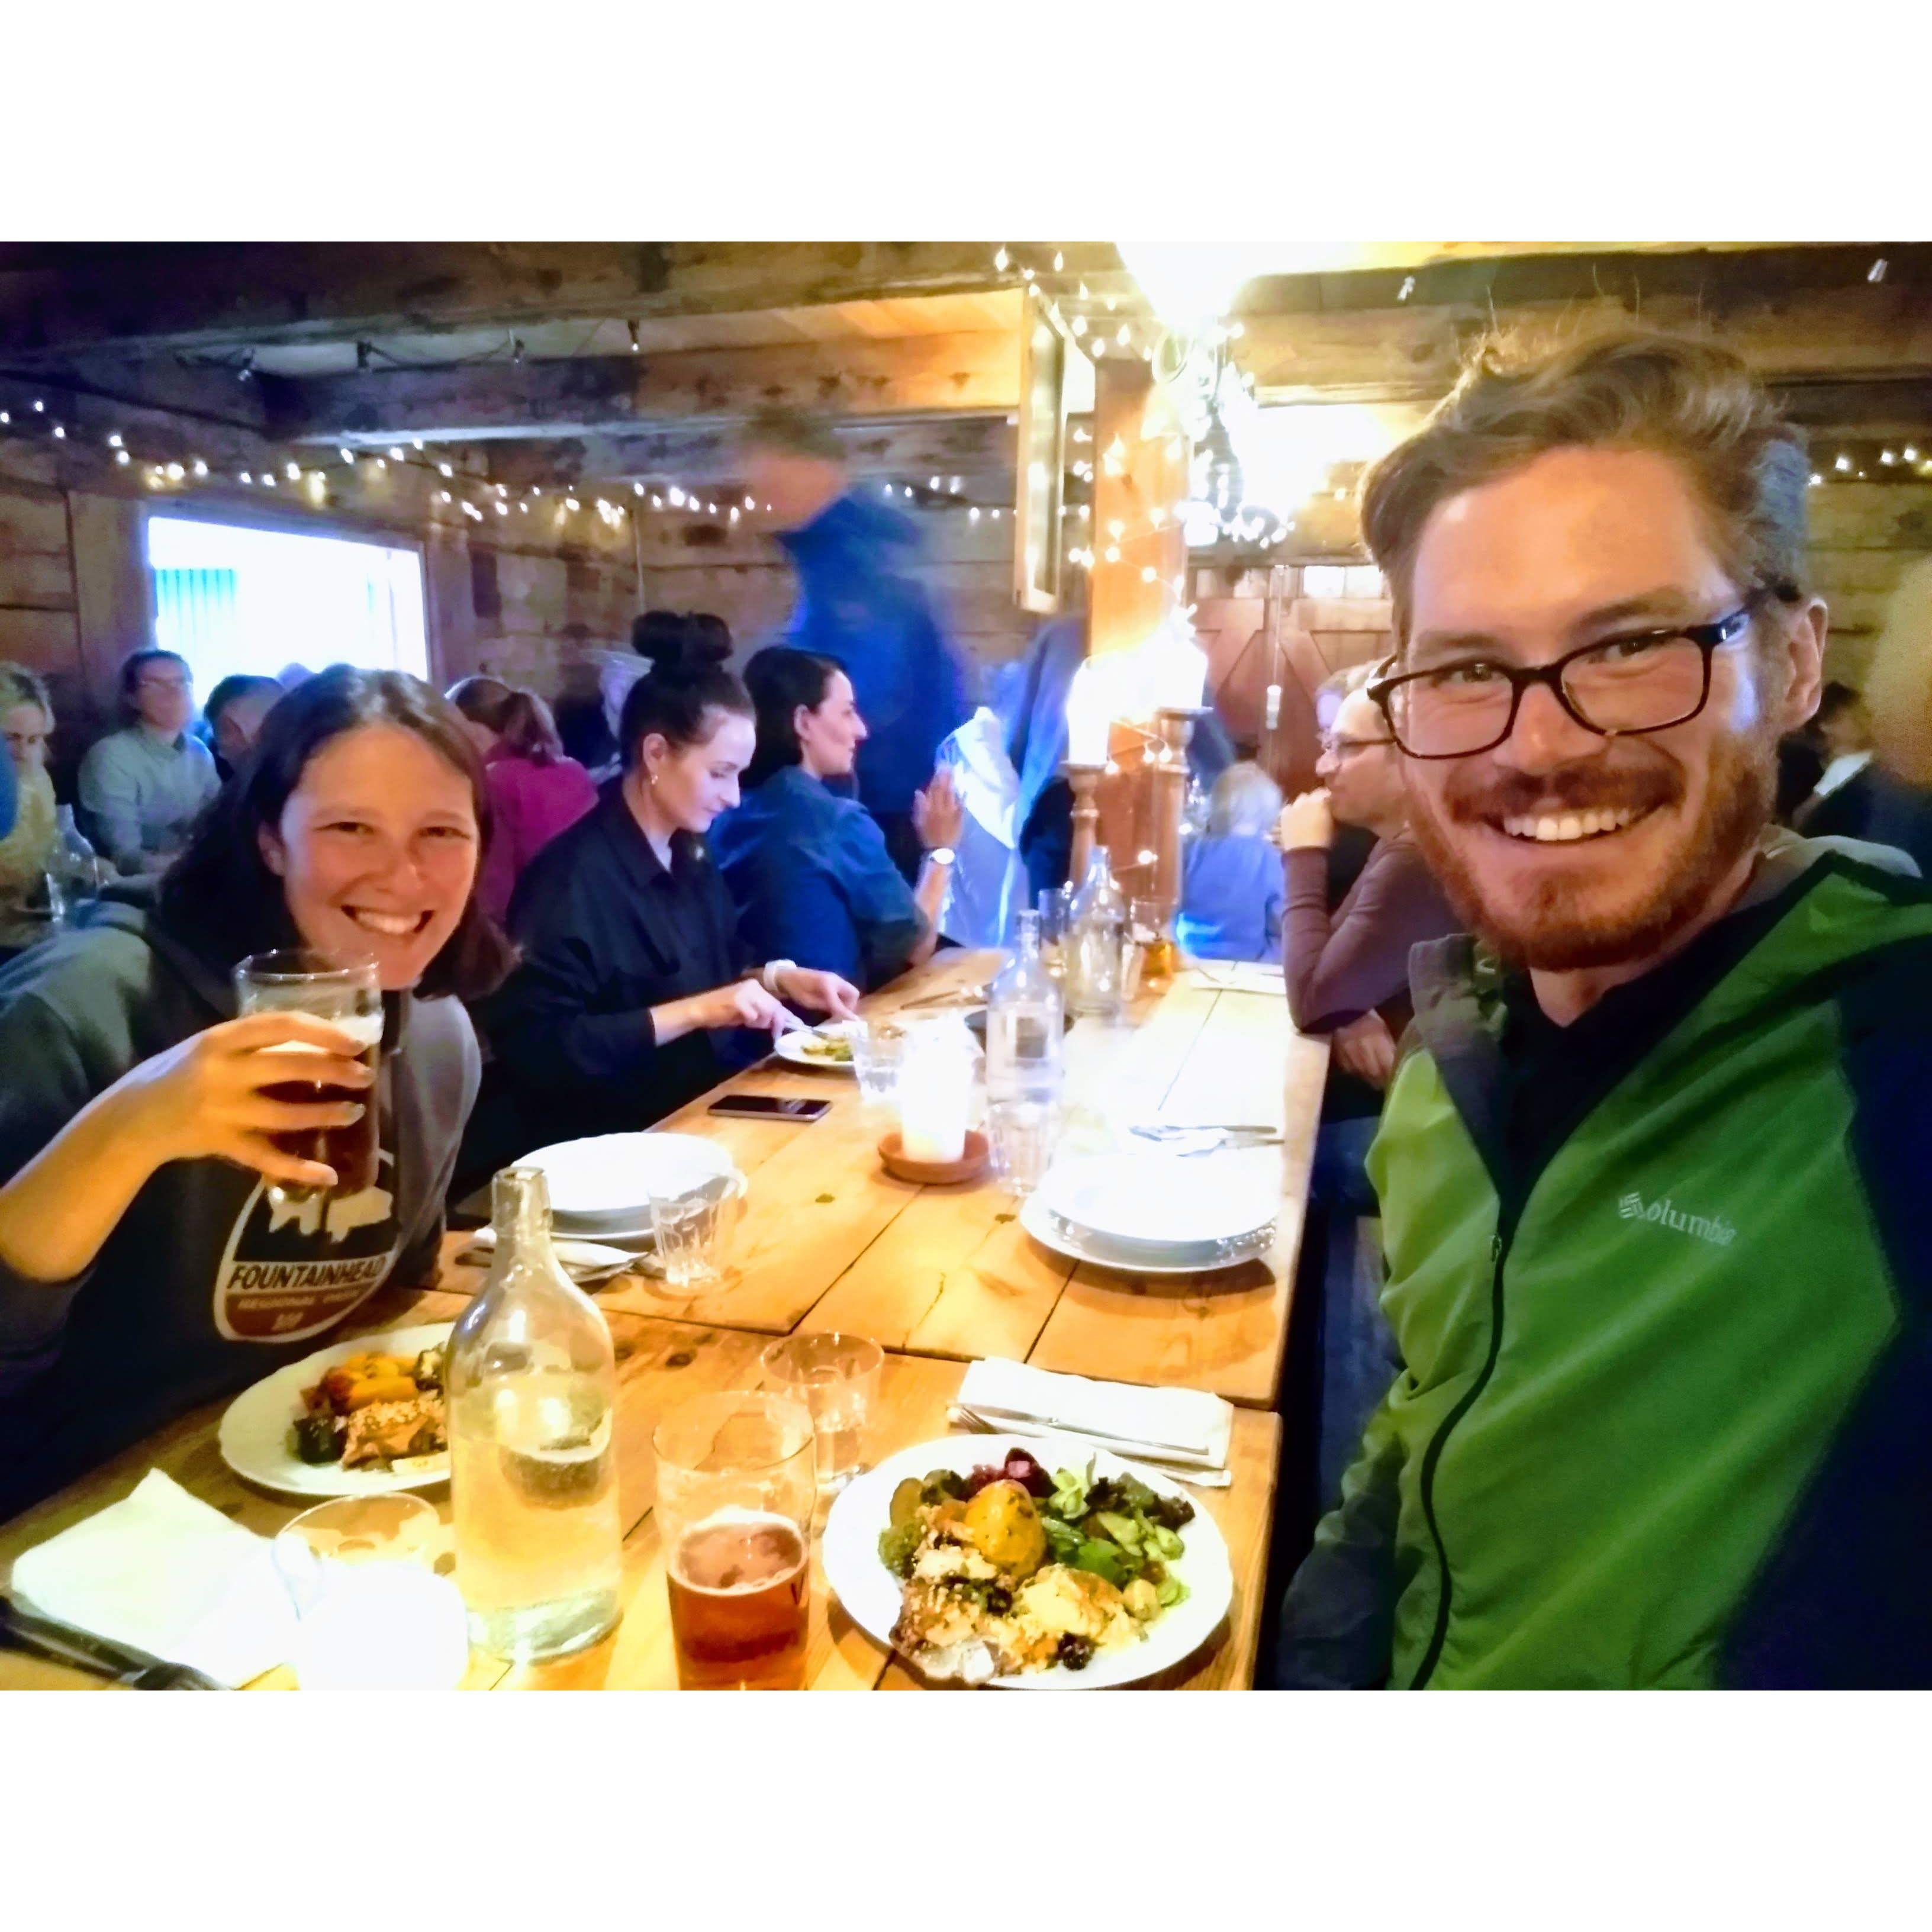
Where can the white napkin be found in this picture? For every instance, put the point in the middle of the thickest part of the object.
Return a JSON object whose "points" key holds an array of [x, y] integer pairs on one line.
{"points": [[1188, 1428], [1238, 975], [168, 1574]]}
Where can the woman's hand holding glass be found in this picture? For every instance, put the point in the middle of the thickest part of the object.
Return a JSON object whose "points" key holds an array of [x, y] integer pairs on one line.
{"points": [[937, 815], [207, 1096]]}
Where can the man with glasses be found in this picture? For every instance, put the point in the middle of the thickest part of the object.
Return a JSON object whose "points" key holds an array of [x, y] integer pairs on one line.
{"points": [[1650, 1168], [142, 788]]}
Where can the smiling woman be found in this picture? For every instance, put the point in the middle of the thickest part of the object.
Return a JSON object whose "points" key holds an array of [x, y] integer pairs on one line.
{"points": [[139, 1118]]}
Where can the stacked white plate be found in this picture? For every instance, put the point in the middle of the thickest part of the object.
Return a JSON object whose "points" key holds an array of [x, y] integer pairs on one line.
{"points": [[1155, 1214], [602, 1189]]}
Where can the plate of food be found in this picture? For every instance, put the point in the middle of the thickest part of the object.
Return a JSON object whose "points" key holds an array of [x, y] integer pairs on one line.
{"points": [[1027, 1564], [828, 1047], [361, 1418]]}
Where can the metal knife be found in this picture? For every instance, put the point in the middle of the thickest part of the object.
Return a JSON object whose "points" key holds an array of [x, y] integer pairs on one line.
{"points": [[99, 1656]]}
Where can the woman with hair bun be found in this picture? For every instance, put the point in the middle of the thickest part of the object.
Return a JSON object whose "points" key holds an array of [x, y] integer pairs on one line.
{"points": [[635, 995], [535, 791]]}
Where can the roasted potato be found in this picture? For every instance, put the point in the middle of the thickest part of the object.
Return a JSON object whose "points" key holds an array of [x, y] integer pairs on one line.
{"points": [[367, 1389], [1005, 1529]]}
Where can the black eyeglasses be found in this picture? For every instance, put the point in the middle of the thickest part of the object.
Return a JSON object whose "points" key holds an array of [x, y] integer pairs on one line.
{"points": [[1622, 687]]}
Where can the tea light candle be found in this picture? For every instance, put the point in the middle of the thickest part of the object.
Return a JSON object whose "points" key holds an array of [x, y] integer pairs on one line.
{"points": [[935, 1091]]}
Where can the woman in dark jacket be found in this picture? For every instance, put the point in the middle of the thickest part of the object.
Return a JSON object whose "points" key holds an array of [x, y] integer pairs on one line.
{"points": [[631, 997], [810, 870], [144, 1265]]}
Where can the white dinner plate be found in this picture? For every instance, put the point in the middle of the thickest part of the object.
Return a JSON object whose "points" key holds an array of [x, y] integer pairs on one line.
{"points": [[605, 1185], [1167, 1201], [1127, 1257], [254, 1433], [871, 1594], [794, 1047]]}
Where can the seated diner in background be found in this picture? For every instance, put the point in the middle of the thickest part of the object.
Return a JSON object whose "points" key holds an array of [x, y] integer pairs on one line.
{"points": [[1650, 1167], [535, 790], [631, 997], [1856, 797], [809, 870], [142, 788], [1347, 972], [145, 1266], [1231, 898], [232, 718], [28, 849]]}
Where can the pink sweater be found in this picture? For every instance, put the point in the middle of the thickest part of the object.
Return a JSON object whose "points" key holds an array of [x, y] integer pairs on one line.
{"points": [[530, 805]]}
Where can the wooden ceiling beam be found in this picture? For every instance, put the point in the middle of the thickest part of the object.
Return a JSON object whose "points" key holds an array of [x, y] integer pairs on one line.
{"points": [[1879, 330], [209, 297], [979, 449], [893, 376]]}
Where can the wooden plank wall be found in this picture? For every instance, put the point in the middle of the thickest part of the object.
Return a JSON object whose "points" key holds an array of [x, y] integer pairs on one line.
{"points": [[744, 576], [517, 598]]}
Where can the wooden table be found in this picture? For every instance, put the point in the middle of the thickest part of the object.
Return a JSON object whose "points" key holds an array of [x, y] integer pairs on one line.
{"points": [[830, 1240], [660, 1362], [939, 1276]]}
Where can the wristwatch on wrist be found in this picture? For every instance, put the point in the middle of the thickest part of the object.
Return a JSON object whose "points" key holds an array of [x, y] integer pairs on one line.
{"points": [[768, 977], [942, 855]]}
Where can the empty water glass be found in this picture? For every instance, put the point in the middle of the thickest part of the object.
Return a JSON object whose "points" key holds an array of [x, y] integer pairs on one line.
{"points": [[837, 1378], [692, 1233], [1023, 1135], [877, 1052]]}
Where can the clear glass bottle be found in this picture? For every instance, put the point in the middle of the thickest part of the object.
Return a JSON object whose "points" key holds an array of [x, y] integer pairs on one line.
{"points": [[1024, 1026], [532, 1381], [76, 867], [1097, 941]]}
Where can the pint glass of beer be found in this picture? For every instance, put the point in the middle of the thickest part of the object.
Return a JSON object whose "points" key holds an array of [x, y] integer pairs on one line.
{"points": [[347, 995], [737, 1481]]}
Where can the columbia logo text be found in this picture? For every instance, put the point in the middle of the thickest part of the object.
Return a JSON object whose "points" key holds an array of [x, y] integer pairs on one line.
{"points": [[1666, 1213]]}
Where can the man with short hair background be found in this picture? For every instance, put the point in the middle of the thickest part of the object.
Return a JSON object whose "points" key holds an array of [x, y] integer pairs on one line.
{"points": [[142, 788], [1651, 1169]]}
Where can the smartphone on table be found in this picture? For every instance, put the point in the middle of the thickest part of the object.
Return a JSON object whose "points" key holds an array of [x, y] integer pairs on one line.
{"points": [[771, 1107]]}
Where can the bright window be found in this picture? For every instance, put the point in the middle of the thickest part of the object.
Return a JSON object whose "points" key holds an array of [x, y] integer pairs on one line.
{"points": [[229, 597]]}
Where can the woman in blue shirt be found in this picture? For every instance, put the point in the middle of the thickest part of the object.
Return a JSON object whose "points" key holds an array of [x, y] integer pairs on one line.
{"points": [[809, 870]]}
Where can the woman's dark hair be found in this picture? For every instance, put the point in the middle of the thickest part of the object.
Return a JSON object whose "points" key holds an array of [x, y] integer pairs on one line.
{"points": [[520, 719], [687, 682], [711, 629], [780, 679], [653, 632], [220, 894], [236, 684]]}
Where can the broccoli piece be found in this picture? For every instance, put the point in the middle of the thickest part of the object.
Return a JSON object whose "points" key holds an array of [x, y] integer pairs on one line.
{"points": [[897, 1546]]}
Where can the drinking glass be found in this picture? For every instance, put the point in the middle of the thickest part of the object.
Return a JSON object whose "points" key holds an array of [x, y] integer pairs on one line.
{"points": [[877, 1052], [692, 1232], [347, 995], [837, 1378], [1147, 930], [1024, 1134], [737, 1485], [372, 1612]]}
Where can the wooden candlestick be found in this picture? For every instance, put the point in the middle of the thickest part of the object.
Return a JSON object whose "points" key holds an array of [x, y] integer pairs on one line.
{"points": [[1168, 772]]}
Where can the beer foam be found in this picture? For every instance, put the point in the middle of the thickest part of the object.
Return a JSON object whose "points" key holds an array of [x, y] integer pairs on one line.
{"points": [[364, 1029], [770, 1557]]}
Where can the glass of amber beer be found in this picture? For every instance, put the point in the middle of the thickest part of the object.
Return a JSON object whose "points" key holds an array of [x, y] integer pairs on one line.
{"points": [[347, 995], [737, 1482]]}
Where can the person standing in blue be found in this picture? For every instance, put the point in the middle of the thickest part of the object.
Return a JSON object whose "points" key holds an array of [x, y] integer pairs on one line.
{"points": [[809, 871], [861, 604]]}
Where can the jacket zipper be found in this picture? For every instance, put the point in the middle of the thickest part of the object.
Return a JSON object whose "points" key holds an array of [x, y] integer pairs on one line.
{"points": [[1499, 1246]]}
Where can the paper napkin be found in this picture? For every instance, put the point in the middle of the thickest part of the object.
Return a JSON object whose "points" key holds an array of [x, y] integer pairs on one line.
{"points": [[1188, 1428], [168, 1574]]}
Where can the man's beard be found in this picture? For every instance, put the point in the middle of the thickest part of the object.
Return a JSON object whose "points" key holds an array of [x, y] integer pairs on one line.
{"points": [[1551, 933]]}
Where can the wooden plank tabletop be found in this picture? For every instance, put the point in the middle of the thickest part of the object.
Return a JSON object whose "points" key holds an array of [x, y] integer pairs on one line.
{"points": [[829, 1241], [659, 1363]]}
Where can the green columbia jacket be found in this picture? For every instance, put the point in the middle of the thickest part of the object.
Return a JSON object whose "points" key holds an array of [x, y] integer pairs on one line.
{"points": [[1662, 1286]]}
